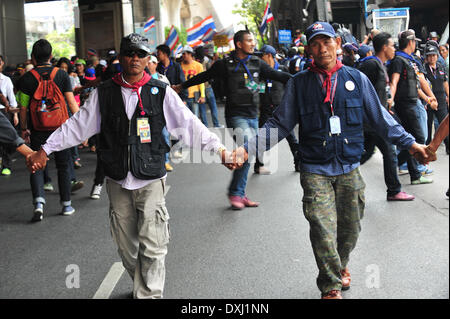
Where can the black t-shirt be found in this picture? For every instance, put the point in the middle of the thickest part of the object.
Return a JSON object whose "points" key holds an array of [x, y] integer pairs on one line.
{"points": [[437, 77], [377, 74], [28, 83]]}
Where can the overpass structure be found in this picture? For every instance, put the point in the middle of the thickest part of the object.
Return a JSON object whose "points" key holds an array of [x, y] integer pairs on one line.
{"points": [[100, 24]]}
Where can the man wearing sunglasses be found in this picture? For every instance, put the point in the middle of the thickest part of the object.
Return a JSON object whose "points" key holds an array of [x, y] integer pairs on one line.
{"points": [[129, 113]]}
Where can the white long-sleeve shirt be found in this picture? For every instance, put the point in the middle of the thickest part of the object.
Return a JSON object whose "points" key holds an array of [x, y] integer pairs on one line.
{"points": [[7, 89], [87, 122]]}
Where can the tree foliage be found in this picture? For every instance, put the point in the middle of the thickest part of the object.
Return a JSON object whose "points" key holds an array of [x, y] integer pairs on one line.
{"points": [[63, 44], [252, 11]]}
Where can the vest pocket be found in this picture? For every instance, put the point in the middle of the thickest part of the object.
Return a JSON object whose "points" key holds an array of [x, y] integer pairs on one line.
{"points": [[353, 147], [353, 111], [150, 164], [311, 122]]}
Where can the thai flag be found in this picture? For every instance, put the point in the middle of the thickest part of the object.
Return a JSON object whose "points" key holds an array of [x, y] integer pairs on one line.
{"points": [[297, 42], [209, 35], [177, 50], [268, 17], [195, 33], [172, 38], [149, 24]]}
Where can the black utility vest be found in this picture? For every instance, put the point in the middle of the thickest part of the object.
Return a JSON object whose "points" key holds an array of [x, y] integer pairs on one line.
{"points": [[119, 147], [240, 100], [408, 84]]}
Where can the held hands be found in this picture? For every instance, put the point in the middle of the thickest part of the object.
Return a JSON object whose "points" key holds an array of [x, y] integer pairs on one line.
{"points": [[234, 160], [422, 153], [37, 161]]}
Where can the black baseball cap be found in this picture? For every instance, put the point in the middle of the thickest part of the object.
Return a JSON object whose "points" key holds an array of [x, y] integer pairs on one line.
{"points": [[431, 49], [134, 42]]}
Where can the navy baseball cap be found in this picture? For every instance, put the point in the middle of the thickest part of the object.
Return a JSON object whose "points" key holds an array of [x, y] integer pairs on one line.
{"points": [[268, 49], [363, 50], [318, 28]]}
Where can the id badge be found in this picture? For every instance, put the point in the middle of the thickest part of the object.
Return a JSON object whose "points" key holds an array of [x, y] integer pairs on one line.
{"points": [[144, 134], [141, 121], [335, 125], [262, 88]]}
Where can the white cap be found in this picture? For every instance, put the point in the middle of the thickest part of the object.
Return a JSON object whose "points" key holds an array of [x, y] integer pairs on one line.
{"points": [[103, 62], [153, 59], [187, 48]]}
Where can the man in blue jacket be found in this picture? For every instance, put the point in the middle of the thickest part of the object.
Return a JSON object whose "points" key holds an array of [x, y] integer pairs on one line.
{"points": [[331, 102]]}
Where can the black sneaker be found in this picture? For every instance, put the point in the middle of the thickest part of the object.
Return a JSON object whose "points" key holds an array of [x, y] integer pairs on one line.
{"points": [[76, 185]]}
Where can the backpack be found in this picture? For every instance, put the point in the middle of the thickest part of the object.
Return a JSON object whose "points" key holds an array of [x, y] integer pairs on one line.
{"points": [[48, 108]]}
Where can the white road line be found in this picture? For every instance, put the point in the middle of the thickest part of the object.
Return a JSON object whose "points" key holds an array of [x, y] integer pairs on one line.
{"points": [[109, 283]]}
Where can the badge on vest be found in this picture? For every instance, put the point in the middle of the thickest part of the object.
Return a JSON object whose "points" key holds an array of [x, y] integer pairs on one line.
{"points": [[335, 125], [350, 86], [143, 130], [155, 90]]}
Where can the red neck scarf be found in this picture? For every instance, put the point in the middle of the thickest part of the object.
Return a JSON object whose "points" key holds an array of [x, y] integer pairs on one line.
{"points": [[327, 83], [118, 79]]}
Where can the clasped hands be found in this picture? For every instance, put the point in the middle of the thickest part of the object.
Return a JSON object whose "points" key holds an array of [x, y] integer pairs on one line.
{"points": [[36, 161], [234, 160], [422, 153]]}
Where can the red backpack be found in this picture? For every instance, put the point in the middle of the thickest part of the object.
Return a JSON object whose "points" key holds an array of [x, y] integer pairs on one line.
{"points": [[47, 108]]}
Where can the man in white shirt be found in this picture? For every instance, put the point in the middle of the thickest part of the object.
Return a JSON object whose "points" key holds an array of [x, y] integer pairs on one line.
{"points": [[129, 113]]}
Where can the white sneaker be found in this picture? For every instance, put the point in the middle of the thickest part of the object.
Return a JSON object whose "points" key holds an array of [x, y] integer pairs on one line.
{"points": [[177, 154], [96, 191]]}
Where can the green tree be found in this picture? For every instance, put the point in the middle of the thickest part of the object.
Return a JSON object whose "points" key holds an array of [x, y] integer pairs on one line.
{"points": [[252, 11], [63, 44]]}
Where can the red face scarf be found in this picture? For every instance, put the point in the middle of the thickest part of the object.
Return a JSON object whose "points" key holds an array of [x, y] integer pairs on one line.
{"points": [[327, 83], [135, 86]]}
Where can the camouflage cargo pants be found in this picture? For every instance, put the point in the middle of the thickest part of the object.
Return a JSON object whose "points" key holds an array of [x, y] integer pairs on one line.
{"points": [[333, 207]]}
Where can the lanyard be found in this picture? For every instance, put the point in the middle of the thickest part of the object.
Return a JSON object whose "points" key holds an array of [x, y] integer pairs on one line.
{"points": [[277, 65], [333, 91], [166, 69], [243, 63], [433, 72]]}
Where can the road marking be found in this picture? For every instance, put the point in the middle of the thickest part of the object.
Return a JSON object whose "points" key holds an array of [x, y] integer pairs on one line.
{"points": [[109, 283]]}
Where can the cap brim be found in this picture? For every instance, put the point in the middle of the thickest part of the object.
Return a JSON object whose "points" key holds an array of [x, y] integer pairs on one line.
{"points": [[134, 46], [328, 34], [89, 78]]}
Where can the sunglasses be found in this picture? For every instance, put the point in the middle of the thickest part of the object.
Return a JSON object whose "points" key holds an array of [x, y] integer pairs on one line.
{"points": [[140, 54]]}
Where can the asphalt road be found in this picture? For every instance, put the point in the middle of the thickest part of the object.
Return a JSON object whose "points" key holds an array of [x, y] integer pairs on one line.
{"points": [[264, 252]]}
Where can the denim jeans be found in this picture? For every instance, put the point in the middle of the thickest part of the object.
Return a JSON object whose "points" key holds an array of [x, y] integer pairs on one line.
{"points": [[166, 136], [62, 160], [211, 100], [249, 127], [423, 119], [192, 105]]}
